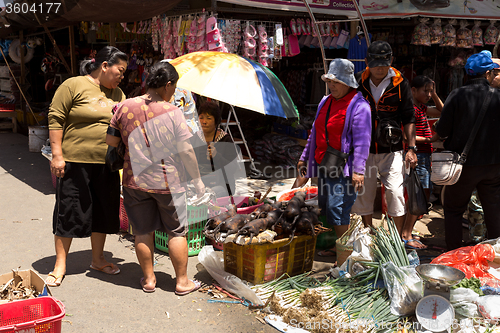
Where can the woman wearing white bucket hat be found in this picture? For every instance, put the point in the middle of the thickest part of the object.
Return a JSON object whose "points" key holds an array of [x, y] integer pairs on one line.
{"points": [[342, 128]]}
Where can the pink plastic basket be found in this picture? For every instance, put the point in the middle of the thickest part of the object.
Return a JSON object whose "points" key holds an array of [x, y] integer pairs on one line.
{"points": [[123, 216], [238, 200], [41, 314]]}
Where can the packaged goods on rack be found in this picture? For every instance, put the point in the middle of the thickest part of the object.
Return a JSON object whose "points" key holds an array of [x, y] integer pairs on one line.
{"points": [[464, 36], [450, 35], [436, 32], [477, 34], [421, 33], [491, 34]]}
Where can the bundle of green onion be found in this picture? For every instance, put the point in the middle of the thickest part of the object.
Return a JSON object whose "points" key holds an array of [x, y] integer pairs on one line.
{"points": [[355, 223], [345, 300]]}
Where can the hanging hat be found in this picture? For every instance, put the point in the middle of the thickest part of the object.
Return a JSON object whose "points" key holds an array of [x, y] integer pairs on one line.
{"points": [[341, 70]]}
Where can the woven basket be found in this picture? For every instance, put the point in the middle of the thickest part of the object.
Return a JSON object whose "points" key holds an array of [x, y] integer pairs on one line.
{"points": [[343, 252]]}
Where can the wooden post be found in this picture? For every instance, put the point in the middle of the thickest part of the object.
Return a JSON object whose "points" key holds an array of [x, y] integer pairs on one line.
{"points": [[354, 28], [72, 49], [112, 34], [22, 80]]}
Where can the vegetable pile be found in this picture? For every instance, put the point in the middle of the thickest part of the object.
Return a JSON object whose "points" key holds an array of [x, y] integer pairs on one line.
{"points": [[286, 219], [472, 283], [348, 304]]}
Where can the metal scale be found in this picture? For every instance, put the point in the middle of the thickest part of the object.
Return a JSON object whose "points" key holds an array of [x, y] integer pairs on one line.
{"points": [[434, 311]]}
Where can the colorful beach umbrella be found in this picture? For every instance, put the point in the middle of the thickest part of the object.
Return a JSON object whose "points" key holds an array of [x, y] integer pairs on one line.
{"points": [[235, 80]]}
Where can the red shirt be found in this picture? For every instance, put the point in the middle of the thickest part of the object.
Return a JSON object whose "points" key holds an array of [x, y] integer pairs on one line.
{"points": [[335, 124], [422, 129]]}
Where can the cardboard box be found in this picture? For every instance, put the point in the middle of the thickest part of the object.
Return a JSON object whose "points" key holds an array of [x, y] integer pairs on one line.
{"points": [[28, 277]]}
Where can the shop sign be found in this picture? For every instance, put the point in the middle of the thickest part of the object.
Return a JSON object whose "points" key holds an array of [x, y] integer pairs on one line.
{"points": [[331, 7], [487, 9], [466, 9]]}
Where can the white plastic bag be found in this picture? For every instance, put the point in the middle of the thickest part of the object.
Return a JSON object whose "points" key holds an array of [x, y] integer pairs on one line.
{"points": [[47, 150], [214, 263], [404, 287], [466, 310], [463, 301], [463, 295], [489, 307]]}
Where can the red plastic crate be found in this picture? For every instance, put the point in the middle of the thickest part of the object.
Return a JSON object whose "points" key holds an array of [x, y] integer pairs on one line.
{"points": [[41, 315], [7, 107]]}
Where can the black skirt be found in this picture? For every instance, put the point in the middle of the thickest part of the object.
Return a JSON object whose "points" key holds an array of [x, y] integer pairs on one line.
{"points": [[87, 201]]}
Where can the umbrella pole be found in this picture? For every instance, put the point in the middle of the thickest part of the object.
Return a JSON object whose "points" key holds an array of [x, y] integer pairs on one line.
{"points": [[237, 122]]}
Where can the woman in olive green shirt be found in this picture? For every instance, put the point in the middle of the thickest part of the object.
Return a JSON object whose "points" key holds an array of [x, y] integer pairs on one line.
{"points": [[88, 193]]}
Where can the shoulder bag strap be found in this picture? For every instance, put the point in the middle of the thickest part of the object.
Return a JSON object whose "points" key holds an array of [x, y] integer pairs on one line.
{"points": [[326, 121], [475, 129]]}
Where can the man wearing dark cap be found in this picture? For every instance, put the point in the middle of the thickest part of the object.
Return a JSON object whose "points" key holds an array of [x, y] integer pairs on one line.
{"points": [[482, 166], [389, 95]]}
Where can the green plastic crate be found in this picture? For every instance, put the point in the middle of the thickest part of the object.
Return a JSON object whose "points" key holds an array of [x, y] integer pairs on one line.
{"points": [[197, 218], [326, 240]]}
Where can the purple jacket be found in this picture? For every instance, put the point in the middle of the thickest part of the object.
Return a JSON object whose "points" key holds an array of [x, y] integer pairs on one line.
{"points": [[357, 134]]}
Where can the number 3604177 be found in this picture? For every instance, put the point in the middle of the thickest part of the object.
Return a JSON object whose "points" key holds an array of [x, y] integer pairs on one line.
{"points": [[38, 8]]}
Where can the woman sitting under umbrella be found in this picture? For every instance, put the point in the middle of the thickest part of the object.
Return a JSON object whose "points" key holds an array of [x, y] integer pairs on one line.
{"points": [[343, 122], [215, 151]]}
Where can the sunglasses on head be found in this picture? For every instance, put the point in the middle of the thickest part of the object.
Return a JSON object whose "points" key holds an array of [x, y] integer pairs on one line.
{"points": [[386, 56]]}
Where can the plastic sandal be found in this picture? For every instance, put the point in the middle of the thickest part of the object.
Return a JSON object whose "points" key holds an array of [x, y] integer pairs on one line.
{"points": [[293, 26], [322, 29], [308, 27], [301, 27]]}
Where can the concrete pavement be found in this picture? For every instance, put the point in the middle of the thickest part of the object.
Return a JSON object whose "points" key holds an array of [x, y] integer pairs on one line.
{"points": [[94, 301]]}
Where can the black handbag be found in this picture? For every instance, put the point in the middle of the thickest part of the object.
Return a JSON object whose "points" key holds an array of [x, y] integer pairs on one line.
{"points": [[114, 157], [334, 161], [388, 132]]}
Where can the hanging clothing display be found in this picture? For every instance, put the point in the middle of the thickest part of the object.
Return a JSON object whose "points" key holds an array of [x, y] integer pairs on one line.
{"points": [[357, 50]]}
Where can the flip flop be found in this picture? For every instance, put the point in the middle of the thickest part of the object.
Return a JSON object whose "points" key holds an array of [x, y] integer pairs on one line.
{"points": [[411, 247], [56, 279], [145, 289], [416, 237], [197, 285], [327, 253], [115, 269]]}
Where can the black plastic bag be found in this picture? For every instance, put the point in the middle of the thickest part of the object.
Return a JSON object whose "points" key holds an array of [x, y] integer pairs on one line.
{"points": [[114, 156], [417, 201]]}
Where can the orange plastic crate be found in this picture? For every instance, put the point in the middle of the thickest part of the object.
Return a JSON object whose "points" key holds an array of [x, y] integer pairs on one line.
{"points": [[258, 263]]}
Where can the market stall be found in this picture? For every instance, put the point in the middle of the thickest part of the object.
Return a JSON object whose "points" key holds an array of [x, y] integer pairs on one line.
{"points": [[379, 288]]}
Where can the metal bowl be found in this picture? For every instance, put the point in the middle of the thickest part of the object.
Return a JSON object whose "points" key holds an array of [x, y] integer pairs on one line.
{"points": [[440, 274]]}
